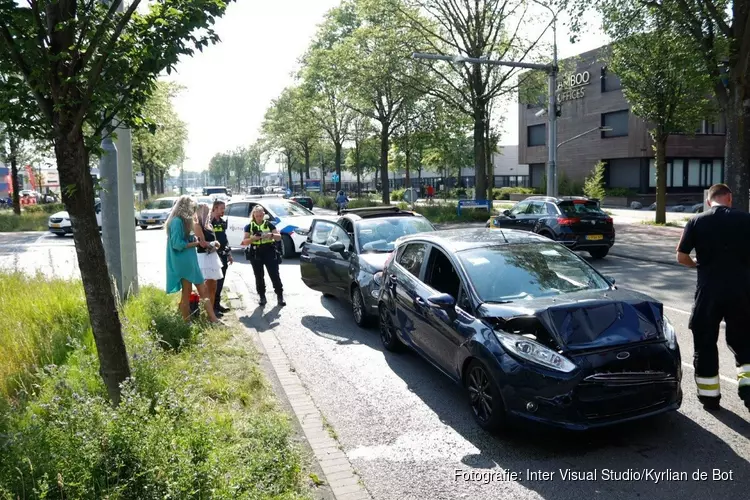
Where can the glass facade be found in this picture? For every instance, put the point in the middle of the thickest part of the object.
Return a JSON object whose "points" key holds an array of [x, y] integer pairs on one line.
{"points": [[689, 172]]}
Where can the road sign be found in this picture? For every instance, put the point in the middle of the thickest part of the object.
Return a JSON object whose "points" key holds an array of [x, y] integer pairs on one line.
{"points": [[410, 195], [335, 177], [486, 204], [139, 178], [312, 185]]}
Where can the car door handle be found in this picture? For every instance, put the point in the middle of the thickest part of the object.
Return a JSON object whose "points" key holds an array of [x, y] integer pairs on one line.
{"points": [[304, 257], [420, 301]]}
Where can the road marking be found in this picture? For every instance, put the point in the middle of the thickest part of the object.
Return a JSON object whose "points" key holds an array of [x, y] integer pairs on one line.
{"points": [[38, 240]]}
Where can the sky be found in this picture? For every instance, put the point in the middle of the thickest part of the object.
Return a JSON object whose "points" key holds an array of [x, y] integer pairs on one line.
{"points": [[229, 86]]}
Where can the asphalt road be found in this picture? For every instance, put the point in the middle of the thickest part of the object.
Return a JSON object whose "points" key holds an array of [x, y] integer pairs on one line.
{"points": [[407, 430]]}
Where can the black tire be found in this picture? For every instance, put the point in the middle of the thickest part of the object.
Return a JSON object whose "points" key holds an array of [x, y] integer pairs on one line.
{"points": [[359, 308], [144, 227], [287, 246], [599, 253], [388, 335], [547, 234], [485, 400], [60, 235]]}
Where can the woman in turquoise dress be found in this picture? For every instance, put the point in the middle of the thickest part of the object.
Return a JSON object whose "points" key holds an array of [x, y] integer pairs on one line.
{"points": [[182, 259]]}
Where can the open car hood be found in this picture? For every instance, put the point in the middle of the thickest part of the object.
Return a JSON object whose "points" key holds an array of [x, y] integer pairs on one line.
{"points": [[582, 321]]}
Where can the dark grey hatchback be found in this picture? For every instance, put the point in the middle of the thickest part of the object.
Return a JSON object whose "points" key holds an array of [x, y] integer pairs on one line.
{"points": [[345, 258], [530, 329]]}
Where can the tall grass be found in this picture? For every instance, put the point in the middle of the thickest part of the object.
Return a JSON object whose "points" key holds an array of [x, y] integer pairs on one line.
{"points": [[10, 222], [197, 420]]}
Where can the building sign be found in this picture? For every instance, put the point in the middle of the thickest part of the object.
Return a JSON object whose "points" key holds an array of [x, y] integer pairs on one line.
{"points": [[51, 179], [572, 86]]}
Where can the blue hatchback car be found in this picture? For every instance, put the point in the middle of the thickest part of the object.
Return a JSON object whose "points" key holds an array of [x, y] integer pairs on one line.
{"points": [[530, 329]]}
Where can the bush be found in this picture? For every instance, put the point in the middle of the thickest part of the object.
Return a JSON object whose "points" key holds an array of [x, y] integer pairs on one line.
{"points": [[438, 214], [197, 422], [10, 222], [47, 208], [397, 194], [505, 192], [594, 184], [623, 192]]}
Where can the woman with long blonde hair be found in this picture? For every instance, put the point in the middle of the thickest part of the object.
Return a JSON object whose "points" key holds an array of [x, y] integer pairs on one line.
{"points": [[183, 270], [208, 258]]}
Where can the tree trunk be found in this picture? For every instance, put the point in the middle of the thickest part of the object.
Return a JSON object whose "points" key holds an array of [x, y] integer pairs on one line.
{"points": [[144, 186], [152, 178], [338, 166], [289, 171], [307, 165], [384, 137], [301, 181], [737, 151], [357, 169], [480, 158], [72, 163], [14, 174], [660, 141], [161, 181], [407, 176]]}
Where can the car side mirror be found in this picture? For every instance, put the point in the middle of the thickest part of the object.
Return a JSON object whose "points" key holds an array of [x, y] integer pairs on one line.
{"points": [[337, 247], [444, 302], [610, 279], [506, 213]]}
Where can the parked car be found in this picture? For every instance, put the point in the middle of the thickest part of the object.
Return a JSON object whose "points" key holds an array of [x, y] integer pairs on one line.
{"points": [[291, 219], [305, 201], [156, 212], [342, 257], [59, 223], [576, 222], [209, 190], [530, 329]]}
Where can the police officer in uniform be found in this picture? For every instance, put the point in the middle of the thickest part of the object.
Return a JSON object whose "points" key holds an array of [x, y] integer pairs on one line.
{"points": [[225, 252], [261, 236], [721, 240]]}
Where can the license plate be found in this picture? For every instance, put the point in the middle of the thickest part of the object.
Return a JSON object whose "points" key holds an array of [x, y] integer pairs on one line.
{"points": [[594, 237], [150, 221], [54, 225]]}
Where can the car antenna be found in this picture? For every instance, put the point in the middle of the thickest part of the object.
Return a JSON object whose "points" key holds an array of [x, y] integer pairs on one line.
{"points": [[503, 233]]}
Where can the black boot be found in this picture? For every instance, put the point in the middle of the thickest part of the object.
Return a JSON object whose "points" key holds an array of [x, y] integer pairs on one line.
{"points": [[280, 298], [710, 403], [262, 300]]}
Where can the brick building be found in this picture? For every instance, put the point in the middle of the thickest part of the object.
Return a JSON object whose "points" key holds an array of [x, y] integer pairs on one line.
{"points": [[592, 97]]}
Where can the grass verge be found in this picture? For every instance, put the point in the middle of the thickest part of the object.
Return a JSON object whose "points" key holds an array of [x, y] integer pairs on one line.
{"points": [[10, 222], [666, 224], [197, 420]]}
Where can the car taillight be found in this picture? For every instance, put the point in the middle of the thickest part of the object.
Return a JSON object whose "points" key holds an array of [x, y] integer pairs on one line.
{"points": [[608, 220], [568, 221]]}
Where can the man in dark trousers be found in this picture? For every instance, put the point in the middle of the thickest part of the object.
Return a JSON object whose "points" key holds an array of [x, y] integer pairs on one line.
{"points": [[225, 253], [721, 240], [261, 237]]}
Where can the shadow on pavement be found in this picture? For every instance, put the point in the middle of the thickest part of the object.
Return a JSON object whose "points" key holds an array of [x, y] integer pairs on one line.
{"points": [[627, 459], [263, 318]]}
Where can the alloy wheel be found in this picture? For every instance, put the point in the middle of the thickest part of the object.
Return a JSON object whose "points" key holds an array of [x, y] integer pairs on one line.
{"points": [[386, 330], [480, 394], [357, 306]]}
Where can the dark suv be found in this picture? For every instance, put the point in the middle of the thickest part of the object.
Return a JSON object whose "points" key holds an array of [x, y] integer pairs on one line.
{"points": [[576, 222]]}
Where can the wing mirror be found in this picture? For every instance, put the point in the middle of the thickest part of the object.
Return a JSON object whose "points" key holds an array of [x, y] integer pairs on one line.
{"points": [[506, 213], [610, 279], [337, 247], [444, 302]]}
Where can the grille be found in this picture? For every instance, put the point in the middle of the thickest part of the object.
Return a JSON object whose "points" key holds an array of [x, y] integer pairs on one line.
{"points": [[56, 220], [606, 395]]}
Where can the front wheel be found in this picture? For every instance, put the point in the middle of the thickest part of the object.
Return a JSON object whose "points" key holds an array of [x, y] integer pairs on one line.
{"points": [[287, 246], [484, 397], [599, 253], [61, 235], [144, 227], [388, 335], [359, 308]]}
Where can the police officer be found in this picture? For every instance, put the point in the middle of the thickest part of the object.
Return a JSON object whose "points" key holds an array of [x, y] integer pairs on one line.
{"points": [[261, 236], [721, 240], [225, 252]]}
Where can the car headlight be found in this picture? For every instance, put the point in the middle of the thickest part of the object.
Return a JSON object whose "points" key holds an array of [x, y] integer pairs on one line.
{"points": [[378, 278], [533, 351], [669, 333]]}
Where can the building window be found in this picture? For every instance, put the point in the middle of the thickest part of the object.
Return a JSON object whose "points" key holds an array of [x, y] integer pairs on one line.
{"points": [[610, 81], [704, 173], [617, 121], [675, 173], [537, 135]]}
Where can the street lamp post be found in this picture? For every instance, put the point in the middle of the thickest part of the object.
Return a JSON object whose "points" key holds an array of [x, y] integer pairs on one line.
{"points": [[595, 129]]}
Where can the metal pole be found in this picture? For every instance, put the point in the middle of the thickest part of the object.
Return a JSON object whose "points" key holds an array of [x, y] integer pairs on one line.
{"points": [[552, 114]]}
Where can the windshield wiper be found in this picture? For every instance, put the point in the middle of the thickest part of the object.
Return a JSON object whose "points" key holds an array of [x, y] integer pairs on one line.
{"points": [[498, 301]]}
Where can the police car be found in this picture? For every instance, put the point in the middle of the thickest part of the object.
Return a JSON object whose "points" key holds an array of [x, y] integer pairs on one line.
{"points": [[291, 219]]}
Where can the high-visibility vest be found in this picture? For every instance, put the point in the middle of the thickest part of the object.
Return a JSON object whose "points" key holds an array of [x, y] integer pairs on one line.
{"points": [[262, 228]]}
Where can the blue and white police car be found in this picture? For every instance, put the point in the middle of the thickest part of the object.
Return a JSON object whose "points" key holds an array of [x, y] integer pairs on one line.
{"points": [[291, 219]]}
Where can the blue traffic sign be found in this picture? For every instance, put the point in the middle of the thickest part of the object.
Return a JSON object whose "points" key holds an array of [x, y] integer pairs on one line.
{"points": [[335, 177]]}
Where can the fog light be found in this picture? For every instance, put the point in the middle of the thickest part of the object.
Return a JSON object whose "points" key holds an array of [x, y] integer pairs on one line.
{"points": [[531, 407]]}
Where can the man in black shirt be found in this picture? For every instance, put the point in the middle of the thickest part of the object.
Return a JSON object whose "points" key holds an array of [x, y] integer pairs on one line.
{"points": [[225, 253], [721, 240]]}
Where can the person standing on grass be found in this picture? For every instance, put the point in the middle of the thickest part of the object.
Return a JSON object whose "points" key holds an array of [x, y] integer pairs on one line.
{"points": [[182, 260], [208, 258], [225, 252], [721, 240]]}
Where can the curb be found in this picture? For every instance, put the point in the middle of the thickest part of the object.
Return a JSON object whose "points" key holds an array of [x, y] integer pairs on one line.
{"points": [[328, 455]]}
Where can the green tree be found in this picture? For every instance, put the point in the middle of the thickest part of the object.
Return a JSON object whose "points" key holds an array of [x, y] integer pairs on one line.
{"points": [[85, 64], [665, 85], [593, 186], [220, 168], [362, 129], [718, 32], [160, 144], [480, 29]]}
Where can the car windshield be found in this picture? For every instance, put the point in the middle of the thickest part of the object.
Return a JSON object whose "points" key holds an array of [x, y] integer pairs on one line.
{"points": [[528, 271], [285, 208], [379, 234], [160, 204], [580, 207]]}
